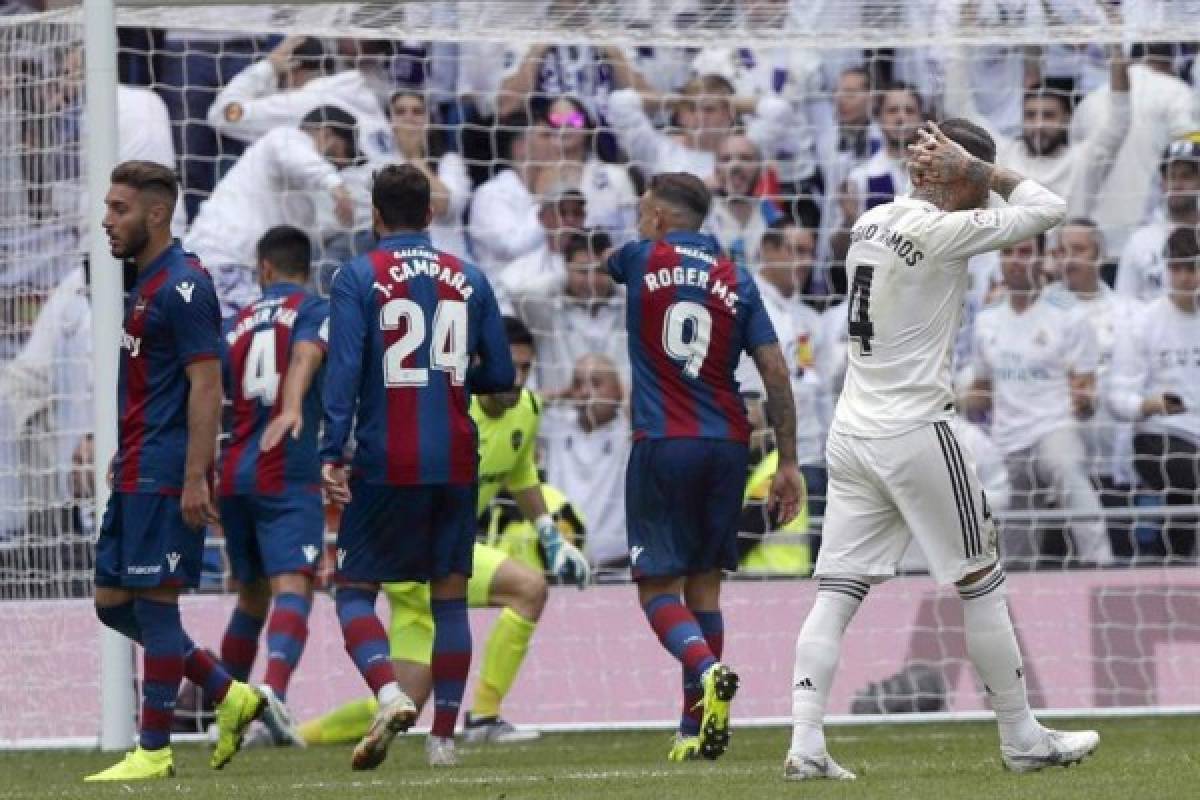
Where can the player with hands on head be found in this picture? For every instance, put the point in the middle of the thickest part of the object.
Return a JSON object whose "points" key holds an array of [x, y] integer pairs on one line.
{"points": [[896, 469], [690, 314], [151, 540], [414, 332]]}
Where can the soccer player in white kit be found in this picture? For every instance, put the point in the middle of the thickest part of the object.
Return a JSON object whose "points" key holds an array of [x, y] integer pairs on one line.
{"points": [[896, 470]]}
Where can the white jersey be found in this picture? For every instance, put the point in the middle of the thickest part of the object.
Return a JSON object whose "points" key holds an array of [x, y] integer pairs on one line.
{"points": [[252, 104], [1142, 269], [271, 184], [1029, 358], [907, 264], [1159, 354]]}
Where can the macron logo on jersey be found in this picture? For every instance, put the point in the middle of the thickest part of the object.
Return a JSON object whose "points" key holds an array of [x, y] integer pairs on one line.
{"points": [[341, 557], [131, 343], [634, 553], [185, 290], [172, 561], [310, 552]]}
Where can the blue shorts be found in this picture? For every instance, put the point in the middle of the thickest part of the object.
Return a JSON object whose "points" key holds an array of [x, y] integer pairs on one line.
{"points": [[144, 543], [406, 533], [269, 535], [683, 498]]}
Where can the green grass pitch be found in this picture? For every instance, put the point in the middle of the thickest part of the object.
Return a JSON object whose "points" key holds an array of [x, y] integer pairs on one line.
{"points": [[1145, 757]]}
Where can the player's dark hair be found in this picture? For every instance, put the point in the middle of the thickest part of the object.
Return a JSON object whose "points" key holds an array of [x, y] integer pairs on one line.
{"points": [[310, 54], [897, 86], [147, 176], [288, 249], [517, 332], [593, 242], [1054, 90], [1183, 244], [684, 193], [971, 137], [341, 122], [400, 193]]}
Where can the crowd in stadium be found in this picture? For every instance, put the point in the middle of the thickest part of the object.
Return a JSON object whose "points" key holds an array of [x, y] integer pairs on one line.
{"points": [[1079, 357]]}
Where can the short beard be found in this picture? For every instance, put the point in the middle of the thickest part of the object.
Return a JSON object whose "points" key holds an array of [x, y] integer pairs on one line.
{"points": [[136, 244], [1053, 145]]}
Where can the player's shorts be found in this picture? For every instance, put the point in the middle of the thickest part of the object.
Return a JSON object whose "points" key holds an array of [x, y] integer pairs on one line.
{"points": [[406, 533], [410, 631], [882, 492], [269, 535], [144, 543], [683, 498]]}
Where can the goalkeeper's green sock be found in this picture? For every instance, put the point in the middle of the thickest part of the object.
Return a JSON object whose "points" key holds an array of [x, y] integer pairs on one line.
{"points": [[345, 725], [502, 659]]}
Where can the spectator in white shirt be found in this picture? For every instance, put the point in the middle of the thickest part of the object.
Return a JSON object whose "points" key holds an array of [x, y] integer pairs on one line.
{"points": [[540, 271], [1141, 271], [1162, 111], [1156, 385], [422, 144], [1071, 168], [585, 447], [784, 271], [705, 114], [580, 312], [739, 216], [505, 217], [1080, 252], [898, 111], [608, 188], [289, 83], [279, 180], [1035, 366]]}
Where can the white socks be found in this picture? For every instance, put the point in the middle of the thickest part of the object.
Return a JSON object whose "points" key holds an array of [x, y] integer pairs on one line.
{"points": [[817, 649], [388, 692], [992, 647]]}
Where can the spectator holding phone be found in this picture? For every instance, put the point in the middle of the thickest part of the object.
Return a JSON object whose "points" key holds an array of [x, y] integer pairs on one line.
{"points": [[1156, 384]]}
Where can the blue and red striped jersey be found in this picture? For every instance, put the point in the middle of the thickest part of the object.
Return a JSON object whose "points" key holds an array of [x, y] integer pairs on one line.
{"points": [[413, 331], [171, 320], [690, 313], [257, 350]]}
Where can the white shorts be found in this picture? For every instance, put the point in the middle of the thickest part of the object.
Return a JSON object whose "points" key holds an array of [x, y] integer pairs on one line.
{"points": [[919, 485]]}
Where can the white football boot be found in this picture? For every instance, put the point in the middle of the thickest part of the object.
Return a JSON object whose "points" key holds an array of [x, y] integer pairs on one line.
{"points": [[801, 767], [1053, 749]]}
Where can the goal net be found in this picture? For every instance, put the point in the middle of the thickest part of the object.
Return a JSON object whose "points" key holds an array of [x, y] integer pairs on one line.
{"points": [[541, 123]]}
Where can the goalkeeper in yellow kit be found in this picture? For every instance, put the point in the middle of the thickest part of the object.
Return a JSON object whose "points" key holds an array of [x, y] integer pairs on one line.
{"points": [[508, 425]]}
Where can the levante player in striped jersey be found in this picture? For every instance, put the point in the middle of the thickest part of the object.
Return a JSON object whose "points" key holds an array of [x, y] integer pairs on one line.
{"points": [[271, 495], [691, 313], [413, 332], [152, 536]]}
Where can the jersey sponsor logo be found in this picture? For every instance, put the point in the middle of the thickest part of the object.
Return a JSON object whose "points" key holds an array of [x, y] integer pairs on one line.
{"points": [[185, 290], [635, 552], [131, 343], [310, 552], [518, 438], [234, 112], [173, 561], [135, 569], [985, 218]]}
